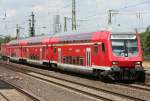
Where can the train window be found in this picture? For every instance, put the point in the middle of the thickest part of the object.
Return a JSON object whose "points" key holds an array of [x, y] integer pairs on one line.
{"points": [[74, 60], [103, 47], [31, 56], [77, 60], [81, 61], [34, 57], [64, 59], [37, 57], [70, 59], [86, 40], [95, 48], [54, 50]]}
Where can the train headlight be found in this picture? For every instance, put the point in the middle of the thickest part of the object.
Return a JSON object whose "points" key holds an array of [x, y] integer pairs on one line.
{"points": [[137, 63], [114, 63]]}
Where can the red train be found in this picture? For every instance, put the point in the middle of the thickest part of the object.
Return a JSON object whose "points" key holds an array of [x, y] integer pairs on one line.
{"points": [[116, 55]]}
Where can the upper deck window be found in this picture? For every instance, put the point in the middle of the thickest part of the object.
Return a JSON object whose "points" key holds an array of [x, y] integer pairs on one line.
{"points": [[95, 48], [54, 50], [86, 37]]}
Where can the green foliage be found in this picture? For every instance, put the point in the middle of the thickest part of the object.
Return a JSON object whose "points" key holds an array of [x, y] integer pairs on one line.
{"points": [[5, 40], [1, 41], [145, 42]]}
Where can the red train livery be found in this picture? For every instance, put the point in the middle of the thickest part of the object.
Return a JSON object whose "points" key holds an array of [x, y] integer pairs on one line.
{"points": [[116, 55]]}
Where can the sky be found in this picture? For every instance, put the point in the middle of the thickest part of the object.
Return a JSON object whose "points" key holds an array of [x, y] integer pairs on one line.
{"points": [[91, 14]]}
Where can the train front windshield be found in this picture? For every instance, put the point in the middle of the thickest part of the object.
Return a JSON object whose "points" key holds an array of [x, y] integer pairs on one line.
{"points": [[125, 47]]}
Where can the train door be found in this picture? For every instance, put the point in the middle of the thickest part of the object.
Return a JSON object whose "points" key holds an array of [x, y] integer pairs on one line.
{"points": [[24, 52], [9, 52], [44, 53], [88, 56], [41, 53], [59, 55], [102, 56], [28, 54]]}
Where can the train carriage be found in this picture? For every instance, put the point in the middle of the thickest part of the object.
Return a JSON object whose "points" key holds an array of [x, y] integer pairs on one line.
{"points": [[116, 55]]}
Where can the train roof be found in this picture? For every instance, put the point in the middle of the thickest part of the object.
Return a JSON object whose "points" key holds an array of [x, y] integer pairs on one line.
{"points": [[54, 38], [26, 41]]}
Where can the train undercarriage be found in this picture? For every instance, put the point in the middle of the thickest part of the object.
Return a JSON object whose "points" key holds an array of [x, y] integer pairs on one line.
{"points": [[122, 74], [115, 73]]}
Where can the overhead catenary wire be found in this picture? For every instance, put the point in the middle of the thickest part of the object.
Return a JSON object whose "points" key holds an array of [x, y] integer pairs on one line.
{"points": [[121, 12], [104, 13], [135, 5]]}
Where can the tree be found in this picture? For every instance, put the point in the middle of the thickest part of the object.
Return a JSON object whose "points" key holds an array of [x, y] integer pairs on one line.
{"points": [[7, 39], [145, 41]]}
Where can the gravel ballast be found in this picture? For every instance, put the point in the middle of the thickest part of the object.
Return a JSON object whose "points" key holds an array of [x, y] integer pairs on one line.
{"points": [[45, 91], [93, 82], [7, 92]]}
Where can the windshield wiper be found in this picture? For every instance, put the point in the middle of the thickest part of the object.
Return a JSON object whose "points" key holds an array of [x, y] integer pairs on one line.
{"points": [[125, 49]]}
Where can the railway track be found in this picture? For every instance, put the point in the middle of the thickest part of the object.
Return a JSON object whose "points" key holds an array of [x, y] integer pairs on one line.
{"points": [[85, 89], [148, 74], [21, 91], [142, 87], [145, 86], [5, 98]]}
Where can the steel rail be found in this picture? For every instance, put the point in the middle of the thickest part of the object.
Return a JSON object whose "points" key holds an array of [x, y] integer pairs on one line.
{"points": [[27, 94], [81, 84]]}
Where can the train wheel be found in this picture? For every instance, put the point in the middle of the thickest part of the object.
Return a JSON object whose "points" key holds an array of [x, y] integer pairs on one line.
{"points": [[141, 77], [53, 66], [100, 77]]}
